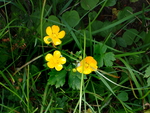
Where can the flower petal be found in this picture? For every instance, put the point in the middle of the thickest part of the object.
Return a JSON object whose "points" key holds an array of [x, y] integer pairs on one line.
{"points": [[49, 31], [61, 34], [55, 29], [56, 41], [58, 67], [46, 40], [62, 60], [87, 71], [57, 54], [49, 57], [50, 64]]}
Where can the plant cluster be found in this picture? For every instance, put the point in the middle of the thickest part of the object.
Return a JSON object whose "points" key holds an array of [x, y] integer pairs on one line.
{"points": [[83, 56]]}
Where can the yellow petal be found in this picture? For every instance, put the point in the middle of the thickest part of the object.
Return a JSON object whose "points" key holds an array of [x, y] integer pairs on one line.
{"points": [[50, 64], [57, 54], [49, 57], [87, 71], [56, 41], [61, 34], [62, 60], [49, 31], [58, 67], [55, 29], [46, 40]]}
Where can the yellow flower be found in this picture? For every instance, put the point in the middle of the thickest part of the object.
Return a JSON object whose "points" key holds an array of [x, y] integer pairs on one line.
{"points": [[55, 60], [54, 35], [87, 65]]}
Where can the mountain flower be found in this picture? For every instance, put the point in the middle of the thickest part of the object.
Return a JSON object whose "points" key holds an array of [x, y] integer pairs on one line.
{"points": [[87, 65], [55, 61], [54, 35]]}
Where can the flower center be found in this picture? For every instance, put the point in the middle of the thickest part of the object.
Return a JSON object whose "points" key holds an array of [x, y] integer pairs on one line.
{"points": [[49, 39]]}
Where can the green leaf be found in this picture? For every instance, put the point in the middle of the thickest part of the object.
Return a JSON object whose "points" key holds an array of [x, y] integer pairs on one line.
{"points": [[146, 39], [88, 4], [106, 32], [123, 96], [148, 81], [92, 15], [125, 12], [121, 42], [110, 2], [57, 78], [74, 80], [129, 36], [147, 72], [108, 59], [71, 17], [99, 50]]}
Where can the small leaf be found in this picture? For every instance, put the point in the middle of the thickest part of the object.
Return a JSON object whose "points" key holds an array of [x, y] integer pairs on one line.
{"points": [[121, 42], [57, 78], [147, 72], [123, 96], [88, 4], [125, 12], [71, 17], [108, 59], [74, 80], [129, 36]]}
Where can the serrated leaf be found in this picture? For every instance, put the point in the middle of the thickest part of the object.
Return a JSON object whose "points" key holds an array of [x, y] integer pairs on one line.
{"points": [[71, 17], [108, 59], [147, 72], [57, 78], [123, 96], [99, 50], [88, 4], [129, 36], [74, 80]]}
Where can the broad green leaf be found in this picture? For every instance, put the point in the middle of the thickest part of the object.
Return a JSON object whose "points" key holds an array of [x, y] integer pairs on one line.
{"points": [[110, 2], [121, 42], [53, 20], [129, 36], [147, 72], [88, 4], [96, 25], [74, 80], [108, 59], [125, 12], [92, 15], [71, 17], [106, 32], [123, 96], [57, 78]]}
